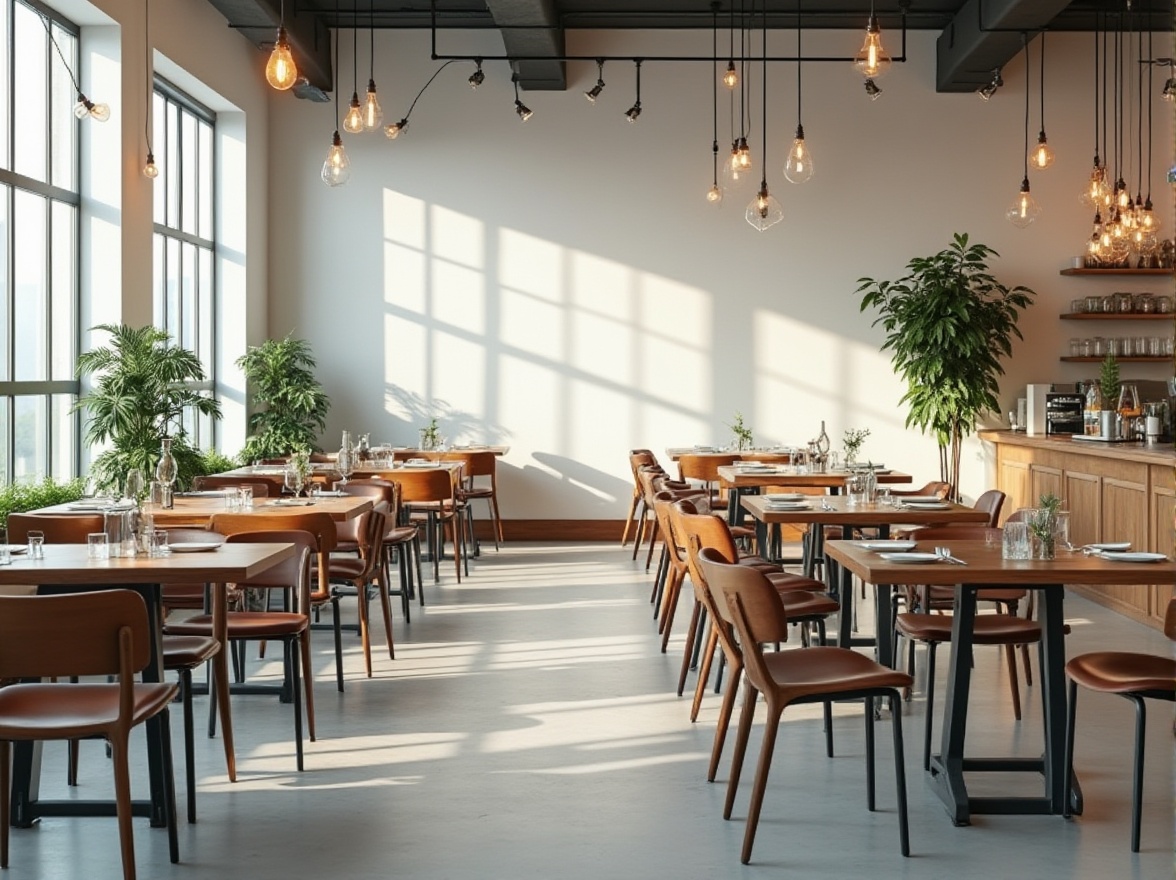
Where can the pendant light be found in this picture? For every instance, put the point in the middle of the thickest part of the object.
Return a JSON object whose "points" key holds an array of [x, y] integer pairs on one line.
{"points": [[1093, 192], [1148, 220], [738, 168], [635, 111], [714, 195], [1169, 92], [764, 211], [524, 112], [150, 169], [1024, 209], [478, 77], [1042, 156], [280, 70], [593, 93], [730, 75], [871, 61], [353, 121], [798, 167], [84, 108], [373, 114], [337, 167]]}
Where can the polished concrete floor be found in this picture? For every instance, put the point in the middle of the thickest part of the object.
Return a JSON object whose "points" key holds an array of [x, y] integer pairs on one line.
{"points": [[529, 728]]}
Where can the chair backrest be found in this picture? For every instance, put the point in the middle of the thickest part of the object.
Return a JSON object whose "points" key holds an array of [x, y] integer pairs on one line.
{"points": [[1170, 619], [991, 502], [105, 632], [382, 495], [746, 599], [58, 528], [318, 524], [263, 486], [393, 494], [640, 458], [476, 463], [936, 487], [426, 484], [292, 573], [371, 541], [703, 468]]}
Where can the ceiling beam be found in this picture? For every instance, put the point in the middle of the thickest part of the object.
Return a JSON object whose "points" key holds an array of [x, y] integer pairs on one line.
{"points": [[531, 41], [310, 40], [983, 36]]}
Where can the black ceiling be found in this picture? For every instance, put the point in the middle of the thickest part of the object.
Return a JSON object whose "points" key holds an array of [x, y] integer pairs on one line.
{"points": [[976, 36]]}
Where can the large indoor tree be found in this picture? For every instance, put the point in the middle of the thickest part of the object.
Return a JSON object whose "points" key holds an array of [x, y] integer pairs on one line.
{"points": [[948, 323]]}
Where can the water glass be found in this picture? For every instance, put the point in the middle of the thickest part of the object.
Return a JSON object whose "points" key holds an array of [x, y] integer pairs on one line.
{"points": [[314, 490], [36, 545], [245, 497], [1015, 541], [232, 499], [5, 550], [1062, 530], [882, 495], [855, 489], [159, 543], [97, 546]]}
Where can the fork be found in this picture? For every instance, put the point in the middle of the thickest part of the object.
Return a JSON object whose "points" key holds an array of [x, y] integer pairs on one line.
{"points": [[944, 553]]}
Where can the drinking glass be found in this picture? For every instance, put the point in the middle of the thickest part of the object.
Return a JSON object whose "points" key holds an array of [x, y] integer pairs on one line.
{"points": [[97, 547], [345, 464], [245, 497], [1015, 540], [882, 495], [293, 480], [855, 489], [1062, 530], [159, 543], [5, 550], [36, 544]]}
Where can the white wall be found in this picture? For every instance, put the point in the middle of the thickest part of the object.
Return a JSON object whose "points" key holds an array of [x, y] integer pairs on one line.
{"points": [[562, 287]]}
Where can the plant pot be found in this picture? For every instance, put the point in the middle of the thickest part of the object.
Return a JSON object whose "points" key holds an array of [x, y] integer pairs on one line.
{"points": [[1043, 548], [1108, 424]]}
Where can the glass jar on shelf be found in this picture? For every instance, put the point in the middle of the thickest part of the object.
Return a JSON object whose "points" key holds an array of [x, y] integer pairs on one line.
{"points": [[1145, 303], [1124, 303]]}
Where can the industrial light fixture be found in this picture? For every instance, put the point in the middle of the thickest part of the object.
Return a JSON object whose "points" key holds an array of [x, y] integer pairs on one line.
{"points": [[798, 167], [521, 109], [393, 131], [1168, 93], [150, 169], [353, 121], [1043, 155], [871, 60], [764, 211], [478, 76], [336, 167], [714, 195], [730, 75], [872, 90], [84, 108], [373, 114], [593, 93], [633, 112], [987, 91], [1095, 192], [1024, 209], [280, 70]]}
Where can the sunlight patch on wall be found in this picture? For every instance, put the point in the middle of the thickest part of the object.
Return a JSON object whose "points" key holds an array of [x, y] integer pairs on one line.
{"points": [[531, 325], [531, 265], [456, 372], [458, 238], [530, 408], [405, 357], [404, 220], [597, 421], [405, 280], [459, 296]]}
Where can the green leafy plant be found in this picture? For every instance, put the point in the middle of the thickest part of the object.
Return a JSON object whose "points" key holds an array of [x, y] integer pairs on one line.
{"points": [[289, 404], [431, 435], [214, 462], [143, 386], [1043, 523], [20, 497], [852, 442], [948, 323], [742, 432], [1108, 381]]}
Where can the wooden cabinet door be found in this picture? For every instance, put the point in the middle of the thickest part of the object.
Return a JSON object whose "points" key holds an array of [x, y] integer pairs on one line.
{"points": [[1044, 480], [1124, 518], [1083, 497], [1014, 482], [1163, 531]]}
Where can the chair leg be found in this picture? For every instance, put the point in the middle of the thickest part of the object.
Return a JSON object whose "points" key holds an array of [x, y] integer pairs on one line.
{"points": [[726, 708], [828, 715], [189, 746], [771, 728], [307, 681], [642, 525], [1137, 786], [900, 773], [670, 601], [654, 534], [4, 786], [691, 635], [386, 604], [71, 773], [1025, 663], [420, 578], [292, 654], [1014, 686], [704, 667], [750, 695], [364, 633], [497, 520], [122, 799], [338, 627], [870, 800], [1071, 713], [631, 518], [930, 704]]}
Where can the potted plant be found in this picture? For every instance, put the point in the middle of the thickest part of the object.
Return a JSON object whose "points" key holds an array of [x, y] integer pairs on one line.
{"points": [[143, 386], [742, 432], [21, 497], [1043, 524], [948, 323], [1108, 386], [289, 404], [852, 442], [430, 435]]}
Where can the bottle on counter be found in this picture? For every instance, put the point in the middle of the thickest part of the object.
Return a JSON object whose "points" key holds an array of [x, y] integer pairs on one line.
{"points": [[1091, 410]]}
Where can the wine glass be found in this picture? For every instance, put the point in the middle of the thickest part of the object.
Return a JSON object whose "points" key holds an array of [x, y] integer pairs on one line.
{"points": [[134, 484], [345, 463], [293, 480]]}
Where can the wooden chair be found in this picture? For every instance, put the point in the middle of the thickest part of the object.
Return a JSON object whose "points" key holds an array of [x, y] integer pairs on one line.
{"points": [[638, 458], [475, 464], [82, 634], [1135, 677], [290, 627], [936, 488], [183, 654], [359, 574], [751, 606], [432, 493], [58, 528], [704, 469], [402, 543]]}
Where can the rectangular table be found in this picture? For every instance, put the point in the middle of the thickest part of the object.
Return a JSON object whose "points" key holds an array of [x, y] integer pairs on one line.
{"points": [[741, 482], [66, 567], [986, 568]]}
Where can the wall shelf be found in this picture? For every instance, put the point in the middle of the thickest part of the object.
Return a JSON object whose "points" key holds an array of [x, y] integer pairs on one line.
{"points": [[1163, 359], [1118, 316], [1168, 272]]}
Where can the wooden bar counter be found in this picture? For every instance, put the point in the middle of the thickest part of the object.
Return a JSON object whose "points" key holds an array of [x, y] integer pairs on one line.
{"points": [[1114, 492]]}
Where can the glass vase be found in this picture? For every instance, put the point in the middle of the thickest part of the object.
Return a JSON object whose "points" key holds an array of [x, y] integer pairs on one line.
{"points": [[166, 471]]}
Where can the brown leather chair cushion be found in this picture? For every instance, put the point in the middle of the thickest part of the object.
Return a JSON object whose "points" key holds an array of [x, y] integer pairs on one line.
{"points": [[1120, 672], [989, 629]]}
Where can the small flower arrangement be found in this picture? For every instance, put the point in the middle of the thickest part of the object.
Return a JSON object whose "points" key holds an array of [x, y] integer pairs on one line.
{"points": [[742, 432], [852, 442], [1043, 525], [430, 435], [300, 463]]}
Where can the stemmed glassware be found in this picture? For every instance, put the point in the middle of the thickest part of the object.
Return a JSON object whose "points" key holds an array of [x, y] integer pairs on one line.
{"points": [[345, 463], [134, 484], [293, 480]]}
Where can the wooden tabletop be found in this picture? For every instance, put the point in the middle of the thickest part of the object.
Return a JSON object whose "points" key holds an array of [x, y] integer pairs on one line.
{"points": [[985, 566], [785, 475], [197, 509], [676, 452], [836, 510], [69, 564]]}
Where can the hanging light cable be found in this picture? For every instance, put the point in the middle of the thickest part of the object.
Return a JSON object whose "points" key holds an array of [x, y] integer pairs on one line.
{"points": [[353, 121], [373, 114], [737, 168], [730, 76], [396, 129], [337, 167], [714, 195], [798, 167], [1024, 209], [97, 111], [635, 111], [1148, 220], [593, 93], [280, 71], [150, 169], [1043, 155], [764, 211], [1093, 191]]}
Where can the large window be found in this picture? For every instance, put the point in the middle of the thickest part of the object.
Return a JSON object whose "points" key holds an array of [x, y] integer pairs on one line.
{"points": [[183, 248], [38, 244]]}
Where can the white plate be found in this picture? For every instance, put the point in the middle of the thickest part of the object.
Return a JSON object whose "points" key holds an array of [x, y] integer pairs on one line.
{"points": [[865, 466], [926, 505], [778, 497], [896, 546], [291, 502], [203, 493], [918, 499], [1137, 556], [1114, 545], [789, 505], [89, 505], [331, 493], [910, 557], [193, 546], [420, 464]]}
